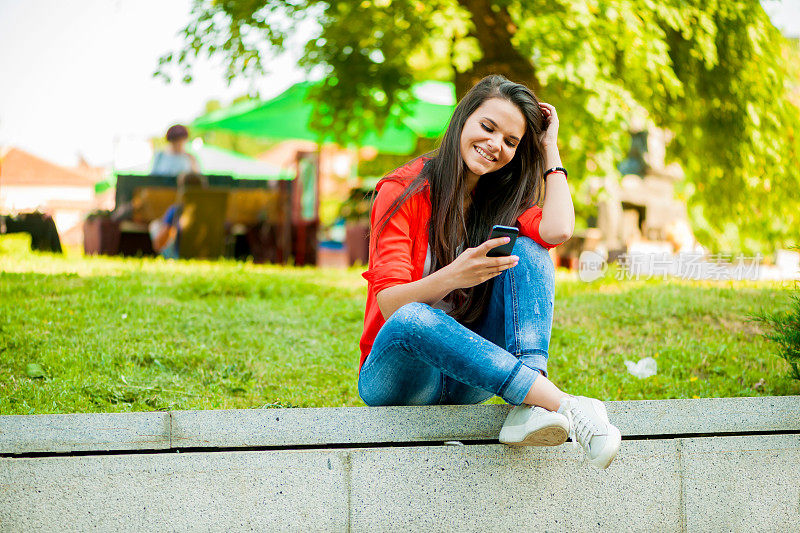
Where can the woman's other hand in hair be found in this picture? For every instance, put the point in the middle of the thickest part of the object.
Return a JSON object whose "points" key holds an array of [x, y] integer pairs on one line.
{"points": [[550, 135], [472, 266]]}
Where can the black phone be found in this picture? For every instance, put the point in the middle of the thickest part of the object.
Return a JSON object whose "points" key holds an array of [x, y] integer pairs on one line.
{"points": [[503, 231]]}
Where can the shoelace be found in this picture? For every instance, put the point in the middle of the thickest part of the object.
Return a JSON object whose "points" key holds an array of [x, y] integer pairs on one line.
{"points": [[582, 430]]}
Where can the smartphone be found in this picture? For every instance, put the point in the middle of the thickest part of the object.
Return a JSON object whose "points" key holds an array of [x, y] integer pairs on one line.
{"points": [[502, 231]]}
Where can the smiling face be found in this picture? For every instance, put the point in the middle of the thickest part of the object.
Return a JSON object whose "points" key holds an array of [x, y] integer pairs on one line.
{"points": [[490, 136]]}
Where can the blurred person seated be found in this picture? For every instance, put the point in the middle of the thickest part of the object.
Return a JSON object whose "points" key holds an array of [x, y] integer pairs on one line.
{"points": [[170, 162], [165, 232], [175, 160]]}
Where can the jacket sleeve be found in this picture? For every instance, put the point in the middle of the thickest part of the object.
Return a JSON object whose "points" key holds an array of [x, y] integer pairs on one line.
{"points": [[390, 254], [528, 224]]}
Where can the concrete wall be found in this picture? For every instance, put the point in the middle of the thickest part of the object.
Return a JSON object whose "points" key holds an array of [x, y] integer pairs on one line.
{"points": [[685, 465]]}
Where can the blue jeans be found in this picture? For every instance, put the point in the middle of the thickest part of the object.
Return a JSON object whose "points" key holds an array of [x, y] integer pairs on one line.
{"points": [[423, 356]]}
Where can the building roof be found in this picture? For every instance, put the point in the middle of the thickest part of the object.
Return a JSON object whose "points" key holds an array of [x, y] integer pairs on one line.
{"points": [[18, 167]]}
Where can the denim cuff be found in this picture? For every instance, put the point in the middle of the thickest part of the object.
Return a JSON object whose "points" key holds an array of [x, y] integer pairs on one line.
{"points": [[536, 361], [518, 388]]}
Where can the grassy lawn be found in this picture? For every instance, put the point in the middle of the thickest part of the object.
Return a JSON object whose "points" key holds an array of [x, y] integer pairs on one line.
{"points": [[115, 334]]}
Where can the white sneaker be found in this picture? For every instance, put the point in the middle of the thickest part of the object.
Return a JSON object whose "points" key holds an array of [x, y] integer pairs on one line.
{"points": [[589, 426], [531, 425]]}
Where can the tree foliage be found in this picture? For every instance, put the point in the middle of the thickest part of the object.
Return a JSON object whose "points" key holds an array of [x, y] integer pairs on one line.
{"points": [[716, 73]]}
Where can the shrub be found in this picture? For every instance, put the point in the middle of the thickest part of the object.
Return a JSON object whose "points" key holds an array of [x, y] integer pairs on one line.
{"points": [[785, 331]]}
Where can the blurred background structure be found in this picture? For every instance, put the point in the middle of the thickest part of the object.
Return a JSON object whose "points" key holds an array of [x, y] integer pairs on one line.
{"points": [[679, 121]]}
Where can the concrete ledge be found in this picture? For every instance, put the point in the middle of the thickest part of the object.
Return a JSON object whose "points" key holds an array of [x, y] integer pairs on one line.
{"points": [[239, 491], [247, 428], [352, 425], [84, 432], [653, 485], [337, 425], [498, 488], [706, 415], [684, 465], [741, 483]]}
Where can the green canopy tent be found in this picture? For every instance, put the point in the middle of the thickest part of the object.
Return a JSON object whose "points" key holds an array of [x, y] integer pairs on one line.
{"points": [[287, 116], [215, 160]]}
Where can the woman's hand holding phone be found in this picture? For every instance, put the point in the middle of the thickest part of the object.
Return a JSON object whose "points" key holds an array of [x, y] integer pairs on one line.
{"points": [[472, 266]]}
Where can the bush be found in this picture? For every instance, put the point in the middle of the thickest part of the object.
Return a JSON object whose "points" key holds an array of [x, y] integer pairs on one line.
{"points": [[785, 330]]}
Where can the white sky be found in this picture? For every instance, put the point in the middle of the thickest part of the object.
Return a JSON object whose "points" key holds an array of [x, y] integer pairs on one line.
{"points": [[75, 75]]}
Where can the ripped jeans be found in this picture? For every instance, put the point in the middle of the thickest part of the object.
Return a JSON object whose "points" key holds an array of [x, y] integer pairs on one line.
{"points": [[423, 356]]}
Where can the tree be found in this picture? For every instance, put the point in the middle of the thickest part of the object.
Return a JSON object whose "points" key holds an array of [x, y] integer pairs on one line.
{"points": [[716, 73]]}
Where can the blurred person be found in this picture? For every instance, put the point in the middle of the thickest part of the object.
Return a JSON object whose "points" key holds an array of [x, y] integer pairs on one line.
{"points": [[165, 232], [175, 159], [447, 324]]}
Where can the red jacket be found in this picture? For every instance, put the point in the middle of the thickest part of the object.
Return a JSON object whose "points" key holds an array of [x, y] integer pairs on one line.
{"points": [[404, 242]]}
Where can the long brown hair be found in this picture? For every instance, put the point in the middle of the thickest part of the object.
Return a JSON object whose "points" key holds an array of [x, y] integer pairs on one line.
{"points": [[500, 196]]}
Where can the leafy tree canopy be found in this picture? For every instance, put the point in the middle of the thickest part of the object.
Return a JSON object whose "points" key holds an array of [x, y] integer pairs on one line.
{"points": [[716, 73]]}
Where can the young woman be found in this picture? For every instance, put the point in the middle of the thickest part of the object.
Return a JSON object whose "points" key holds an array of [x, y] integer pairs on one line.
{"points": [[444, 323]]}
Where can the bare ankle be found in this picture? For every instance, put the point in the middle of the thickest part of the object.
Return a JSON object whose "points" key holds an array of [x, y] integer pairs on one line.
{"points": [[545, 394]]}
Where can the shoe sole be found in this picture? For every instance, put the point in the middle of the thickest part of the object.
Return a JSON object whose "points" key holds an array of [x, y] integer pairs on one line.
{"points": [[548, 436]]}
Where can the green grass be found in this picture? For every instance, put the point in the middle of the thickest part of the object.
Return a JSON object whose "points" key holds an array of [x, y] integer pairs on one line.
{"points": [[116, 334]]}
